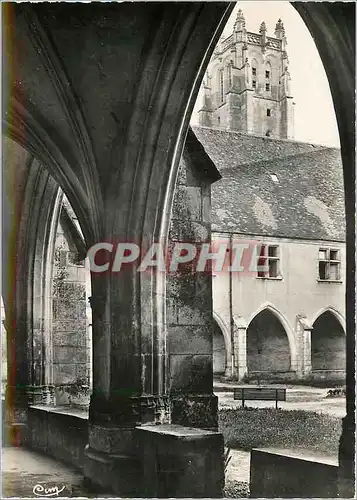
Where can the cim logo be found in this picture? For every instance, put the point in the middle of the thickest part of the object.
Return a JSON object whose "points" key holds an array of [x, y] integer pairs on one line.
{"points": [[50, 491]]}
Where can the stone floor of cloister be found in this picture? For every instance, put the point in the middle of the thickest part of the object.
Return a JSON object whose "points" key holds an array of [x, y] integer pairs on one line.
{"points": [[23, 469]]}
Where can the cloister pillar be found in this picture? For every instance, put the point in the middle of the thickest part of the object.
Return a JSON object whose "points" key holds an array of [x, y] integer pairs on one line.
{"points": [[240, 347], [189, 295], [303, 342]]}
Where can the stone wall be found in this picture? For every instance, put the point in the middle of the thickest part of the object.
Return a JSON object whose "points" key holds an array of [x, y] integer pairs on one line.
{"points": [[70, 325], [292, 474], [297, 292], [189, 297], [62, 436]]}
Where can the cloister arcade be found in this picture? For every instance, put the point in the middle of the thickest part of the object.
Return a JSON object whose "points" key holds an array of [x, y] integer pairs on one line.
{"points": [[96, 111]]}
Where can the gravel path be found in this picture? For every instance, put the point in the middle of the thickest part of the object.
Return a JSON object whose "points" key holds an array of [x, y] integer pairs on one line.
{"points": [[297, 398]]}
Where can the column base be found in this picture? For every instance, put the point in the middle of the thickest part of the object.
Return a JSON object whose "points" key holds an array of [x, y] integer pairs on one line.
{"points": [[129, 411], [14, 415], [15, 434], [181, 462]]}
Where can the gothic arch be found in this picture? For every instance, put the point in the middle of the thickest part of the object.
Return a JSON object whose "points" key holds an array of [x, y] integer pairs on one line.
{"points": [[286, 325], [334, 311], [328, 342], [28, 300], [226, 333]]}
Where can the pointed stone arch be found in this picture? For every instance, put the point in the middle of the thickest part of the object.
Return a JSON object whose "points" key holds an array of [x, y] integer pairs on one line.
{"points": [[328, 343], [224, 327], [267, 306], [333, 311]]}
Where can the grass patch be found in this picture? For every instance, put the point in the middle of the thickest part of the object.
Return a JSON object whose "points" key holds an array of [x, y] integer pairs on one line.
{"points": [[247, 428]]}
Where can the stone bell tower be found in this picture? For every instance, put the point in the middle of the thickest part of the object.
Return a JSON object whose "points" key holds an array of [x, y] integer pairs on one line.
{"points": [[247, 84]]}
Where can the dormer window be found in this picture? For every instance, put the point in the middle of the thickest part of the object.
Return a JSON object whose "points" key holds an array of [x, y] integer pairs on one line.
{"points": [[267, 74], [254, 71]]}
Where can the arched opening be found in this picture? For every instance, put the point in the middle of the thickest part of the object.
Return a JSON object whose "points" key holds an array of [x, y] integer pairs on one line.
{"points": [[71, 314], [219, 350], [328, 344], [268, 347], [169, 125]]}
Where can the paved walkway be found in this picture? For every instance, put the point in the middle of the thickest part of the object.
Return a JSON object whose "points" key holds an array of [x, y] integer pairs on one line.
{"points": [[26, 472], [239, 466]]}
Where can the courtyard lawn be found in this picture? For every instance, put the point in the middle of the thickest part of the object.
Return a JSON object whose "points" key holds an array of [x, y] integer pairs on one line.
{"points": [[247, 428]]}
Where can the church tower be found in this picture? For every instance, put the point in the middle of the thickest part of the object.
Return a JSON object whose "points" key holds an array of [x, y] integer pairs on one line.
{"points": [[247, 84]]}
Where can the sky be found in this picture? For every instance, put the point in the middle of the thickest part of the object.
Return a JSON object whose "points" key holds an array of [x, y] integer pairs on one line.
{"points": [[315, 119]]}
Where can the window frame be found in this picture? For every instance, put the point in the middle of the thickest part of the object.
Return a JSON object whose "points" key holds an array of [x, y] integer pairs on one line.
{"points": [[270, 258], [267, 87], [328, 261]]}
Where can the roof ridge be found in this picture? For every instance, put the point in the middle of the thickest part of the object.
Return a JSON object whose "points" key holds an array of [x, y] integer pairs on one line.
{"points": [[274, 159], [264, 137]]}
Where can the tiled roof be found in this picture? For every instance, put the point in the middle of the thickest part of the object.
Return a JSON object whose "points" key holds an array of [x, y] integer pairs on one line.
{"points": [[275, 187]]}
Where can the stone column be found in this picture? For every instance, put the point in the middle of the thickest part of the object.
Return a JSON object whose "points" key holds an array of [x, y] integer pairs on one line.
{"points": [[240, 347], [229, 364], [303, 333], [189, 296], [129, 357]]}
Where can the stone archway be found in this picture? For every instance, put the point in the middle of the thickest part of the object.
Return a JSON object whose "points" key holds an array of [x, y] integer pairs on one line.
{"points": [[71, 314], [328, 344], [152, 107], [219, 350], [268, 348]]}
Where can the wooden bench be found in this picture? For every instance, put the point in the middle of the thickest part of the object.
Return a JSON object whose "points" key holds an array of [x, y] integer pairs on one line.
{"points": [[259, 394]]}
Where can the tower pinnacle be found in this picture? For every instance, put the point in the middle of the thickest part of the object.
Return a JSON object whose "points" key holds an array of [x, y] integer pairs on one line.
{"points": [[263, 27], [239, 25], [279, 29]]}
